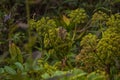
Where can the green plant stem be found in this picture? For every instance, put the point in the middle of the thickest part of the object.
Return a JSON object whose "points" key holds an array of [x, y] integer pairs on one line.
{"points": [[74, 34], [28, 18]]}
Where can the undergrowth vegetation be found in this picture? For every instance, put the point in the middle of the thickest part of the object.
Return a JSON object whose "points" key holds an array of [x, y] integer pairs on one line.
{"points": [[67, 40]]}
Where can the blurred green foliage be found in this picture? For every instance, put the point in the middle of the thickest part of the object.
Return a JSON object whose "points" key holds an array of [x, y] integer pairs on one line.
{"points": [[59, 40]]}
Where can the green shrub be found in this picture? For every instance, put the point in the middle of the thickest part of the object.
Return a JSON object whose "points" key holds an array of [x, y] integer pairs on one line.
{"points": [[102, 53]]}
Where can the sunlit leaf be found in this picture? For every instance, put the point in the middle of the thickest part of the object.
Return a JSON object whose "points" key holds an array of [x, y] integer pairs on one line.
{"points": [[19, 66], [45, 76], [66, 20]]}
